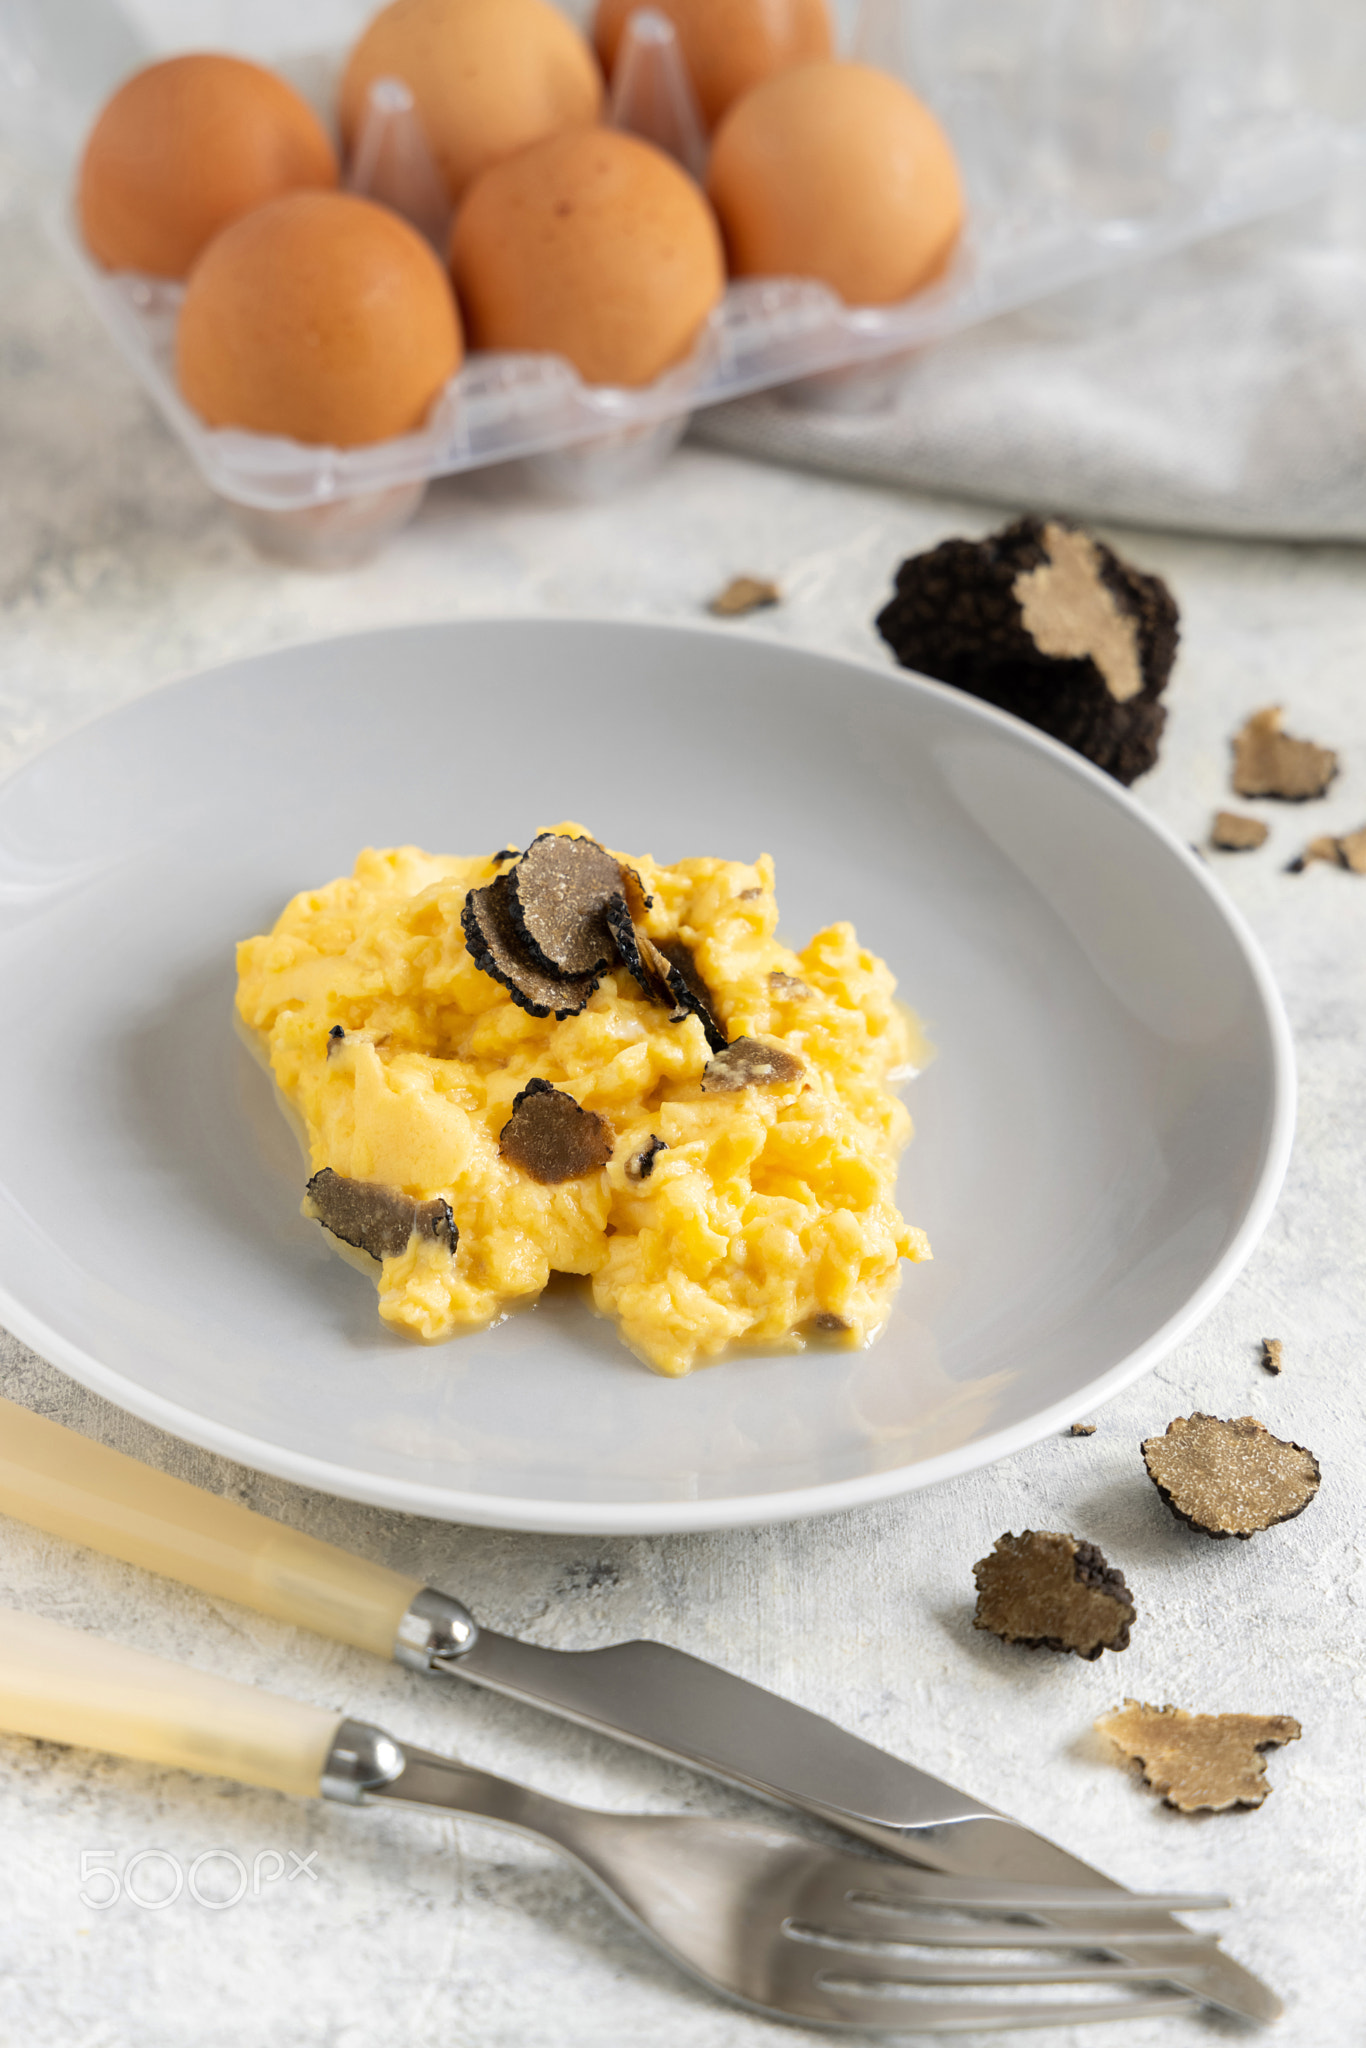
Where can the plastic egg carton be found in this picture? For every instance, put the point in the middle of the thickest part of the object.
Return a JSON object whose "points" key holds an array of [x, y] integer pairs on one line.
{"points": [[1092, 135]]}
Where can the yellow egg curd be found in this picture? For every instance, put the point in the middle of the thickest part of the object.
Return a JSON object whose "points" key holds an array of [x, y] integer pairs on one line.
{"points": [[769, 1217]]}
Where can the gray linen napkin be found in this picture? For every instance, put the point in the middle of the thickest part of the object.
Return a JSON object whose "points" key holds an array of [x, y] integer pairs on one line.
{"points": [[1222, 389]]}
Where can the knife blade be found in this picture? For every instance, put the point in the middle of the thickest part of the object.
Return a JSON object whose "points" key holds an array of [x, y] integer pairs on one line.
{"points": [[647, 1694]]}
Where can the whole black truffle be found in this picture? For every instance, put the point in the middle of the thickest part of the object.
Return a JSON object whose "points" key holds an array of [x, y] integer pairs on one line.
{"points": [[1045, 621]]}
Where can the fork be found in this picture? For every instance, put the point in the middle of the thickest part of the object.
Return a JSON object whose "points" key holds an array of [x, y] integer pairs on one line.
{"points": [[784, 1925]]}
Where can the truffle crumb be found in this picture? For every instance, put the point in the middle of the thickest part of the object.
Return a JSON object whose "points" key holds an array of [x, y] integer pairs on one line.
{"points": [[748, 1063], [1052, 1592], [642, 1164], [558, 897], [1348, 852], [1230, 1478], [497, 948], [1082, 1429], [377, 1219], [506, 853], [830, 1324], [788, 988], [1271, 1353], [551, 1138], [1233, 833], [1200, 1763], [1046, 621], [1268, 762], [334, 1039], [744, 594]]}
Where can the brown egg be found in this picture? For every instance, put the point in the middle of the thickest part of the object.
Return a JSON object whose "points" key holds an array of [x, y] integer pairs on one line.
{"points": [[321, 316], [594, 246], [837, 172], [489, 77], [728, 45], [183, 148]]}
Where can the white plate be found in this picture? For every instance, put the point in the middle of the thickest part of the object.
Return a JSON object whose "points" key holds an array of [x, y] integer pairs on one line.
{"points": [[1099, 1142]]}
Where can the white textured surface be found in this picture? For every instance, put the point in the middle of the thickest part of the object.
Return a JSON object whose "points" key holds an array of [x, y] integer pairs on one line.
{"points": [[119, 572]]}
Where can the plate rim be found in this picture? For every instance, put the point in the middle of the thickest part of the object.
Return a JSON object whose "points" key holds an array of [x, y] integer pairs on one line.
{"points": [[535, 1516]]}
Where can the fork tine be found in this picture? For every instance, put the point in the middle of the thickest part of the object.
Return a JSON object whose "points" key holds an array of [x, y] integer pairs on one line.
{"points": [[1041, 1898], [853, 1966], [921, 1931], [940, 2016], [873, 1880]]}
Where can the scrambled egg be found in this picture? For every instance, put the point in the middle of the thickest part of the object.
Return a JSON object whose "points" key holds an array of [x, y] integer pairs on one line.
{"points": [[769, 1215]]}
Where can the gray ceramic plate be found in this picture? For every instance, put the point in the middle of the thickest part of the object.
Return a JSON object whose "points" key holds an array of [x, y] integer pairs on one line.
{"points": [[1099, 1141]]}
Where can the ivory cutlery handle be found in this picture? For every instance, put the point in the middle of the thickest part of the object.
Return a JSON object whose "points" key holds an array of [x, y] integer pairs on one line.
{"points": [[69, 1486], [65, 1686]]}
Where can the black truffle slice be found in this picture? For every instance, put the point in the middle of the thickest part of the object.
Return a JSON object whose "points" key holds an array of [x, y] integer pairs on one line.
{"points": [[1230, 1478], [641, 957], [642, 1164], [749, 1063], [559, 893], [1200, 1763], [689, 991], [377, 1219], [497, 948], [549, 1137], [1046, 621], [1269, 762], [1052, 1592], [667, 972]]}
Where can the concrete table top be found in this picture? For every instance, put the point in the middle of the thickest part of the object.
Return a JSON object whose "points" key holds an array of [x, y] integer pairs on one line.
{"points": [[118, 571]]}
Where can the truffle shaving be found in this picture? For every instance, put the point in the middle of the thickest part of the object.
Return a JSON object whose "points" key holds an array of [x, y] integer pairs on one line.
{"points": [[1268, 762], [550, 1138], [377, 1219], [559, 893], [497, 948], [1348, 852], [749, 1063], [1233, 833], [788, 988], [1230, 1478], [1052, 1592], [1044, 620], [744, 594], [1200, 1763]]}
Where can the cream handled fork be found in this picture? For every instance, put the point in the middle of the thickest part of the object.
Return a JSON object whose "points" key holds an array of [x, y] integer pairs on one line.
{"points": [[787, 1926]]}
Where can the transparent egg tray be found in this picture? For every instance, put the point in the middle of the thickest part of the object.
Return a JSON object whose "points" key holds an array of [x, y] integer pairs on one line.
{"points": [[1092, 134]]}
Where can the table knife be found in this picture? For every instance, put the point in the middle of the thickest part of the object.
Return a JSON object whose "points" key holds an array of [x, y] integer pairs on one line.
{"points": [[644, 1693]]}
